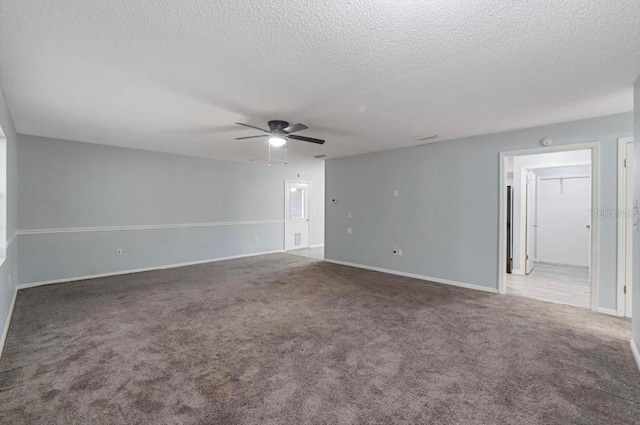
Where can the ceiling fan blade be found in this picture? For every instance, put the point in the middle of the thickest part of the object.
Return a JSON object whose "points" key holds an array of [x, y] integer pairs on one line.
{"points": [[306, 139], [254, 127], [251, 137], [295, 127]]}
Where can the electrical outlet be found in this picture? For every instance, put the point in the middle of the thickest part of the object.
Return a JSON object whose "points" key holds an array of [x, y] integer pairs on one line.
{"points": [[119, 251], [349, 214], [396, 193], [349, 230]]}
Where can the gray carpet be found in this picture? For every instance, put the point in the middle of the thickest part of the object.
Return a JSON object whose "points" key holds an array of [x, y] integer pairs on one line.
{"points": [[282, 339]]}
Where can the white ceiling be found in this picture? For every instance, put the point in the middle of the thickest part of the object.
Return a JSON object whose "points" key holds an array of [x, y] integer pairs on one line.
{"points": [[365, 75]]}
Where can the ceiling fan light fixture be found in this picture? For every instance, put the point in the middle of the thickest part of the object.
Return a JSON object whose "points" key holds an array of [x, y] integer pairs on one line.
{"points": [[277, 141]]}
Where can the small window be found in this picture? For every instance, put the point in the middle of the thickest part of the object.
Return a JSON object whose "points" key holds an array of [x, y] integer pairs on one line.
{"points": [[296, 198]]}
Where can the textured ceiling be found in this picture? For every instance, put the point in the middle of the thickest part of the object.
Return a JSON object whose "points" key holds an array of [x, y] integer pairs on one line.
{"points": [[365, 75]]}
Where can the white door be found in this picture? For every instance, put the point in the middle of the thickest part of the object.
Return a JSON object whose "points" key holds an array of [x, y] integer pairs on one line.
{"points": [[296, 215], [564, 220], [532, 225], [629, 227]]}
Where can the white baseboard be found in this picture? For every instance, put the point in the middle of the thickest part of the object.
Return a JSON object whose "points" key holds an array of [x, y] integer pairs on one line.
{"points": [[609, 311], [5, 331], [636, 353], [517, 272], [320, 245], [416, 276], [146, 269], [575, 266]]}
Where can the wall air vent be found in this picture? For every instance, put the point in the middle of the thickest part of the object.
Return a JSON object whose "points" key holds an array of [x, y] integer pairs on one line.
{"points": [[423, 138]]}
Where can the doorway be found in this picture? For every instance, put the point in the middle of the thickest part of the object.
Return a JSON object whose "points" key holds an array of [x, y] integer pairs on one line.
{"points": [[297, 225], [548, 232]]}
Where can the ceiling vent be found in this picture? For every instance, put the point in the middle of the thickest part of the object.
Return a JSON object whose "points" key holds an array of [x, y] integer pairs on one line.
{"points": [[423, 138]]}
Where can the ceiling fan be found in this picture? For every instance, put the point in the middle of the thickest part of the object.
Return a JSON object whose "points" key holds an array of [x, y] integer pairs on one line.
{"points": [[279, 132]]}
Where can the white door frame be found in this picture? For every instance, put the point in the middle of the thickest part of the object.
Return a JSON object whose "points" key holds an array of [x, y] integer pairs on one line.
{"points": [[284, 208], [594, 147], [625, 257]]}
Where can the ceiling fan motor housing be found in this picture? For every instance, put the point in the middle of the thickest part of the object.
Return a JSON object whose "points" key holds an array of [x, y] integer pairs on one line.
{"points": [[278, 126]]}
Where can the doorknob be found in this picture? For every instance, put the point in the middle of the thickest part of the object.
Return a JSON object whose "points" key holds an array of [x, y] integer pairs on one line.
{"points": [[588, 226]]}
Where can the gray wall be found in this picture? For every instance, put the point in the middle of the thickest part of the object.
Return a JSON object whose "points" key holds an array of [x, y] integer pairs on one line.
{"points": [[65, 184], [636, 234], [446, 217], [8, 267]]}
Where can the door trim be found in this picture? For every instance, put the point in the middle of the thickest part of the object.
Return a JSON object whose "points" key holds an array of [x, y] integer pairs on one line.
{"points": [[284, 211], [594, 270], [621, 250]]}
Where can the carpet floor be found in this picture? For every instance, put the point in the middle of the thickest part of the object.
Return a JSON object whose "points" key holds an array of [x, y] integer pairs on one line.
{"points": [[283, 339]]}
